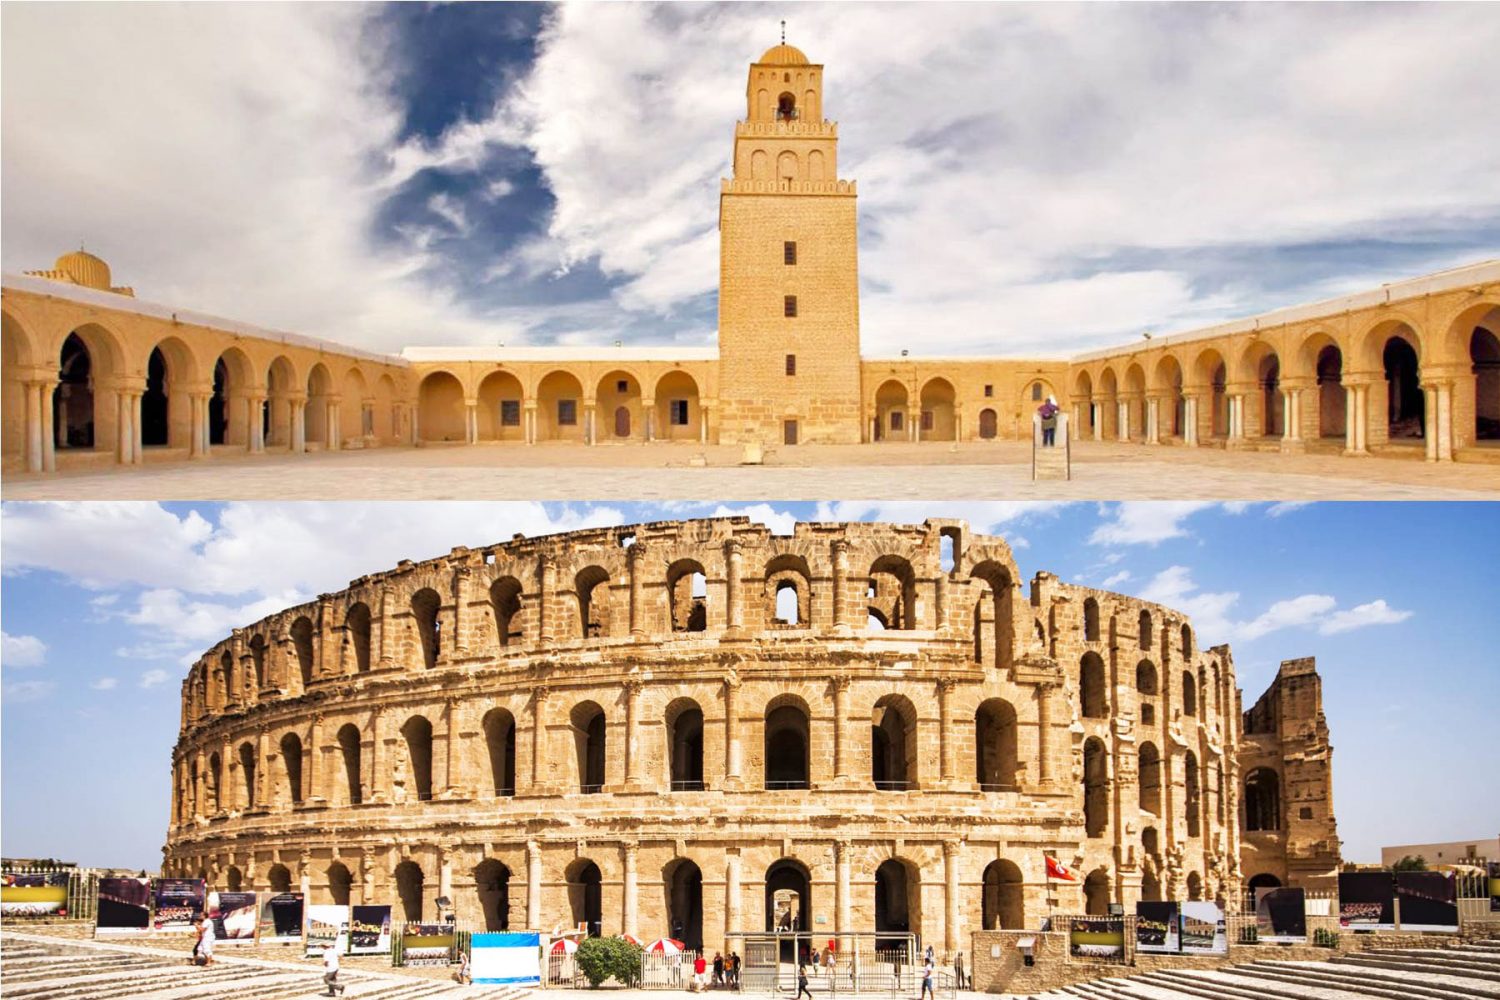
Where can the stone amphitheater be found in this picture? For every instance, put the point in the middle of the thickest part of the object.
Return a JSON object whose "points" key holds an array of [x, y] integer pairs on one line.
{"points": [[702, 728]]}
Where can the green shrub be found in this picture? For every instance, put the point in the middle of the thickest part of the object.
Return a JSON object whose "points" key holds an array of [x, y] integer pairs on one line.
{"points": [[1325, 938], [609, 958]]}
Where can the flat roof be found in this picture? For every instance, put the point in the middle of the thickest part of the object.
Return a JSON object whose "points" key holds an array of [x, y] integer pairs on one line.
{"points": [[1480, 273], [601, 354], [142, 307]]}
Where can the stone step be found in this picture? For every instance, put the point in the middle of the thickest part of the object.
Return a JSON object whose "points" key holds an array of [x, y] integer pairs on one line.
{"points": [[1332, 977], [1482, 971], [1226, 983], [1186, 987]]}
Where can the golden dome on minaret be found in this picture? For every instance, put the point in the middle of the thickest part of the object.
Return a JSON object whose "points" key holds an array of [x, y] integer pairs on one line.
{"points": [[85, 269], [784, 55]]}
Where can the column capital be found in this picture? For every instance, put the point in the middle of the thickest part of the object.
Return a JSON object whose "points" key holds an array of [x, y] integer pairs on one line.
{"points": [[637, 551], [951, 848]]}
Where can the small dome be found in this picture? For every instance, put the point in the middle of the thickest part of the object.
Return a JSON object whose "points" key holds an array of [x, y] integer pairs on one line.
{"points": [[85, 269], [784, 55]]}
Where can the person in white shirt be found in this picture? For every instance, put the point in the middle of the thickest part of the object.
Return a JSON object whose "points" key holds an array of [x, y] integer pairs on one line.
{"points": [[331, 969], [206, 944]]}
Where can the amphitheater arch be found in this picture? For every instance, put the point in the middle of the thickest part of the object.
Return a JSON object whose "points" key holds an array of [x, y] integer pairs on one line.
{"points": [[500, 408], [492, 886], [585, 895], [279, 878], [891, 412], [559, 407], [687, 596], [357, 635], [684, 729], [505, 605], [247, 775], [1149, 771], [216, 782], [425, 606], [1096, 893], [1145, 678], [1186, 644], [788, 591], [898, 897], [291, 760], [441, 412], [1090, 620], [234, 879], [591, 584], [283, 394], [257, 646], [1189, 693], [1091, 687], [679, 414], [417, 732], [410, 883], [1262, 800], [618, 400], [349, 753], [893, 592], [1150, 887], [787, 739], [1147, 636], [500, 744], [938, 404], [1095, 787], [589, 741], [893, 744], [1193, 798], [1194, 886], [317, 428], [1264, 880], [996, 742], [999, 579], [683, 882], [302, 644], [790, 880], [1003, 905]]}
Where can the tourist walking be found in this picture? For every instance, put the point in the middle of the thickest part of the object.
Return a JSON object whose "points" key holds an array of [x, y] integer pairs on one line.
{"points": [[206, 942], [734, 969], [700, 972], [958, 970], [1048, 411], [802, 983], [927, 979], [829, 961], [718, 969], [331, 970]]}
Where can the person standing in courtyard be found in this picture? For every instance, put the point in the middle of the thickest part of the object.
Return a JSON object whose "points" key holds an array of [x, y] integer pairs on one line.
{"points": [[958, 970], [331, 969], [926, 980], [718, 969], [206, 943], [802, 983], [1048, 411]]}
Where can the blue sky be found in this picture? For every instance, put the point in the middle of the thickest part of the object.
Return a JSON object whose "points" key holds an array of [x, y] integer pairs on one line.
{"points": [[104, 605], [1041, 178]]}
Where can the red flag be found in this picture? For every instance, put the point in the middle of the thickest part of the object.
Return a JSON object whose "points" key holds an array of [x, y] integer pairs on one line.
{"points": [[1056, 869]]}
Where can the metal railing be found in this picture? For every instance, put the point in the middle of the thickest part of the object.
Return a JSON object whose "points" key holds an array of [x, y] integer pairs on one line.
{"points": [[796, 784], [894, 786], [691, 785], [591, 789]]}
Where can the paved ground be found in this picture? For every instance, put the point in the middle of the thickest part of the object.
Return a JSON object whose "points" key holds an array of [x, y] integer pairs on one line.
{"points": [[987, 470]]}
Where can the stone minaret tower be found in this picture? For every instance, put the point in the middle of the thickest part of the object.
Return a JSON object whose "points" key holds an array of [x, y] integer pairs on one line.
{"points": [[788, 267]]}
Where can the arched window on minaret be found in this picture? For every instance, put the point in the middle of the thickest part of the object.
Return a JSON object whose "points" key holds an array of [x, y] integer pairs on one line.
{"points": [[786, 107]]}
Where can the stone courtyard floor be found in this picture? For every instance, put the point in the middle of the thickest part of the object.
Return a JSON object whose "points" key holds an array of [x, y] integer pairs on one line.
{"points": [[973, 470]]}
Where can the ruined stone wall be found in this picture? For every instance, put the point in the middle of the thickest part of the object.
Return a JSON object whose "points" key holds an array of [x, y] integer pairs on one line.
{"points": [[435, 730]]}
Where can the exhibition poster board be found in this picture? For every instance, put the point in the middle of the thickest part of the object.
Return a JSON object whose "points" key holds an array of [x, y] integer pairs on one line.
{"points": [[326, 924], [1203, 929], [496, 957], [124, 906], [370, 930], [1281, 915], [1494, 886], [426, 944], [1156, 928], [1367, 901], [34, 894], [1429, 901], [236, 916], [281, 919], [1097, 937], [179, 903]]}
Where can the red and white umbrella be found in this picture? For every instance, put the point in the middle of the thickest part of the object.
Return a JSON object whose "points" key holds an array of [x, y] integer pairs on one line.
{"points": [[631, 938], [666, 946], [564, 946]]}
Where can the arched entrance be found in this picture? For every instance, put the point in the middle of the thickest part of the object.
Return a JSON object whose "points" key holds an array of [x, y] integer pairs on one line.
{"points": [[1405, 402], [1484, 355], [684, 884], [409, 884], [1096, 893], [988, 424], [890, 412], [1004, 904], [788, 903], [1171, 406], [73, 402], [1135, 398], [678, 416], [585, 896], [1268, 377], [786, 746], [315, 420], [492, 885], [500, 396], [559, 412], [939, 422], [441, 414], [898, 895], [281, 383], [228, 416], [618, 403], [1329, 369]]}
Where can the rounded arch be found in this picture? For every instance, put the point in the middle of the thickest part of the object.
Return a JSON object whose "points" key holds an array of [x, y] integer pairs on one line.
{"points": [[1004, 902], [679, 415], [441, 413], [356, 407], [492, 885], [1096, 893], [1484, 363], [1167, 380], [788, 903], [279, 877], [1149, 776], [939, 411], [500, 400], [1262, 800], [340, 882], [898, 897], [788, 591], [417, 734], [1095, 787], [1145, 678], [505, 605], [585, 895], [618, 403], [996, 746], [1405, 408], [687, 596], [317, 429], [682, 881], [291, 761], [1368, 346], [500, 744], [166, 408], [426, 606], [591, 586], [590, 733], [385, 420], [1263, 880], [893, 744], [989, 424], [891, 407], [1210, 373], [349, 743], [892, 592], [1093, 703], [229, 417], [410, 886], [282, 385], [18, 356], [787, 738], [357, 628], [684, 730], [559, 412]]}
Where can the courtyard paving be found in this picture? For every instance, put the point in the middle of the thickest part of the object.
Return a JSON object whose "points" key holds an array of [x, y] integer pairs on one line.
{"points": [[988, 470]]}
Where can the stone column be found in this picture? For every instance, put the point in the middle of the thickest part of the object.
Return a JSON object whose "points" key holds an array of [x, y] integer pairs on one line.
{"points": [[648, 407], [49, 440], [945, 723], [538, 736], [125, 443], [731, 728], [461, 579], [533, 884], [637, 552], [312, 767], [1190, 421], [255, 413], [632, 711], [940, 588], [379, 779], [33, 427], [471, 421], [733, 600], [1044, 733], [732, 899], [629, 850], [1445, 421], [297, 405], [840, 721], [842, 922], [951, 858], [1122, 421], [1098, 418], [840, 584], [262, 782], [387, 658], [1153, 420], [137, 449], [547, 600], [529, 411]]}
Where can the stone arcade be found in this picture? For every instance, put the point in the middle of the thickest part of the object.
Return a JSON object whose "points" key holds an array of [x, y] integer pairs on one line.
{"points": [[669, 727]]}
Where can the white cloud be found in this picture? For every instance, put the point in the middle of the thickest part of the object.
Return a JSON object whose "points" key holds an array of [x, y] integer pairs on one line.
{"points": [[22, 650], [1175, 588], [105, 684], [1374, 613], [23, 691], [1145, 523], [1286, 507], [1119, 577], [988, 516], [153, 678], [780, 522]]}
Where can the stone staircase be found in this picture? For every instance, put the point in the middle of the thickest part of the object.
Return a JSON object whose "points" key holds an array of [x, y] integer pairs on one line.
{"points": [[1050, 463], [34, 967], [1469, 972]]}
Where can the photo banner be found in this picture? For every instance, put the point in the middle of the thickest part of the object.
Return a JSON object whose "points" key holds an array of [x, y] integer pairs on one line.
{"points": [[501, 958], [1281, 915], [426, 944], [370, 930], [236, 916], [1429, 901], [1097, 937], [1367, 901], [33, 894], [124, 906], [327, 925], [281, 920], [1203, 929], [1156, 928], [179, 903], [1494, 886]]}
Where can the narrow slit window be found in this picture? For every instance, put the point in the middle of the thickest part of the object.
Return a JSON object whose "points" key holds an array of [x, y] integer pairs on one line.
{"points": [[789, 306], [789, 252], [791, 364]]}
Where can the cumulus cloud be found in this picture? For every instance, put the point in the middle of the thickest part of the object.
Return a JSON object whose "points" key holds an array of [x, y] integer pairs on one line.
{"points": [[153, 678], [105, 684], [1115, 578], [983, 515], [24, 691], [22, 650], [1009, 201], [1212, 612], [1145, 523]]}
